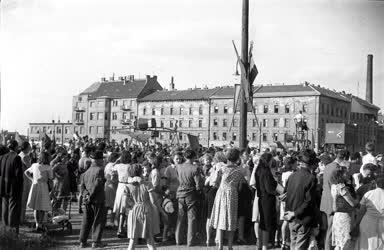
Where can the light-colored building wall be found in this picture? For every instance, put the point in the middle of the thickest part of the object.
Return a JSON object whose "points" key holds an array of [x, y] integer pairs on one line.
{"points": [[62, 132]]}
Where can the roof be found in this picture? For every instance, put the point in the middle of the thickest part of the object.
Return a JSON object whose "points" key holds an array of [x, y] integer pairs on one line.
{"points": [[284, 88], [115, 89], [224, 92], [331, 93], [365, 103], [190, 94]]}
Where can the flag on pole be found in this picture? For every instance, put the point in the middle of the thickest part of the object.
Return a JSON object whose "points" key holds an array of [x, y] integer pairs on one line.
{"points": [[252, 68]]}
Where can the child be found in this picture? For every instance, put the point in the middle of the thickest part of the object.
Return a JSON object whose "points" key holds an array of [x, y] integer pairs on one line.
{"points": [[170, 207]]}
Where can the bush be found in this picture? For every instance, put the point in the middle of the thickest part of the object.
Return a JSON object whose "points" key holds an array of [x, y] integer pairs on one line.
{"points": [[10, 240]]}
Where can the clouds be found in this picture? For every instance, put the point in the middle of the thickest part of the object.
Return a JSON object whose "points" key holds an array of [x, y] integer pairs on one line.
{"points": [[53, 49]]}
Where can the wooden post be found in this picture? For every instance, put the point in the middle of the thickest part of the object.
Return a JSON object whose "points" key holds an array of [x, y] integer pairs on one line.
{"points": [[244, 77]]}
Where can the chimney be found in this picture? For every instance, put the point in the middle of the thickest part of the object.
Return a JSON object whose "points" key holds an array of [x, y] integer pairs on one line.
{"points": [[369, 90], [103, 79], [125, 80], [131, 78], [121, 78], [148, 77], [172, 84], [112, 78]]}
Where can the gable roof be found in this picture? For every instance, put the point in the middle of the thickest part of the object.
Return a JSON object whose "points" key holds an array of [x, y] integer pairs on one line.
{"points": [[365, 103], [284, 88], [331, 93], [174, 95]]}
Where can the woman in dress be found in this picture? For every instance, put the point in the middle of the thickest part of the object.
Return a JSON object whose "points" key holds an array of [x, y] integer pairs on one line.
{"points": [[40, 174], [343, 206], [372, 223], [266, 191], [255, 207], [111, 184], [141, 213], [224, 215], [119, 207], [212, 183], [61, 186]]}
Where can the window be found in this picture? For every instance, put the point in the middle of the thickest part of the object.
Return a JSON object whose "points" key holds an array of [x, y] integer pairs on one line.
{"points": [[115, 103], [99, 129], [287, 108], [275, 137], [58, 130], [170, 136], [66, 130], [216, 109], [81, 130], [286, 123], [180, 136], [224, 136], [171, 124], [106, 116], [200, 123], [180, 123], [153, 111], [265, 123], [92, 104], [190, 110], [225, 123], [275, 123], [131, 103], [322, 108], [264, 137], [44, 129], [144, 111], [254, 137], [189, 123], [332, 111], [276, 109], [215, 122], [225, 110], [171, 111], [234, 136], [162, 124], [131, 115], [100, 104], [254, 123], [162, 111], [91, 129], [99, 116], [305, 108], [265, 109], [114, 116], [181, 110], [91, 116], [214, 136], [200, 110], [161, 136]]}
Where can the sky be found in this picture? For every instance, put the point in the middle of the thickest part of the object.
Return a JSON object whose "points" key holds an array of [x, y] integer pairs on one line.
{"points": [[52, 50]]}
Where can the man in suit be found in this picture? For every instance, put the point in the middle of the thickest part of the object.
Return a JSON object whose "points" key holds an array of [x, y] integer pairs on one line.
{"points": [[92, 191], [11, 186], [26, 160], [326, 205]]}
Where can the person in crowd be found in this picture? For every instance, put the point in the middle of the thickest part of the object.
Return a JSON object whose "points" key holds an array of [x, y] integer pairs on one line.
{"points": [[355, 164], [111, 183], [326, 205], [289, 166], [224, 215], [188, 193], [369, 157], [343, 207], [73, 167], [211, 185], [367, 172], [300, 206], [141, 213], [85, 160], [119, 207], [92, 189], [26, 160], [11, 186], [61, 186], [34, 154], [370, 218], [40, 174], [266, 191], [255, 206], [172, 181]]}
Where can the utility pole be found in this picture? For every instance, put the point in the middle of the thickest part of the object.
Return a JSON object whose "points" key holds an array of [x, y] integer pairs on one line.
{"points": [[244, 76]]}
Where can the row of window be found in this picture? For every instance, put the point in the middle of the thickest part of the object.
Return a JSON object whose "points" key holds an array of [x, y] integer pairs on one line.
{"points": [[329, 109], [276, 109], [49, 130], [225, 137], [173, 111]]}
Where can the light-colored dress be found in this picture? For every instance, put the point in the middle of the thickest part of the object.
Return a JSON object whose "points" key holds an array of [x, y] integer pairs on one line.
{"points": [[255, 206], [110, 185], [372, 224], [38, 198], [119, 206], [142, 221], [342, 222], [225, 208]]}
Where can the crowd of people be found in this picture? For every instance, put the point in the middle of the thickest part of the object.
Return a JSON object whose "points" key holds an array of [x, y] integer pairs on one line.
{"points": [[224, 196]]}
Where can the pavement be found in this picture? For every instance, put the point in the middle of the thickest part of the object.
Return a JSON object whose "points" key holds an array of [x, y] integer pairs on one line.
{"points": [[63, 240]]}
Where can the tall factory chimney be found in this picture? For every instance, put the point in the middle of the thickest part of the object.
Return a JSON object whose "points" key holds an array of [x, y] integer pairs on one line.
{"points": [[172, 84], [369, 90]]}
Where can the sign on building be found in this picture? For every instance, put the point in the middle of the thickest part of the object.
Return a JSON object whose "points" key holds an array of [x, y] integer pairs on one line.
{"points": [[335, 133]]}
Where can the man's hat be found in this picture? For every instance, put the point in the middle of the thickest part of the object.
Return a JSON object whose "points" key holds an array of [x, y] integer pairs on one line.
{"points": [[97, 155]]}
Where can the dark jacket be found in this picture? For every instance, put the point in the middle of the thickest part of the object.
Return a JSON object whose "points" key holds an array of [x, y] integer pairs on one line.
{"points": [[265, 183], [301, 196], [92, 185], [190, 179], [11, 175]]}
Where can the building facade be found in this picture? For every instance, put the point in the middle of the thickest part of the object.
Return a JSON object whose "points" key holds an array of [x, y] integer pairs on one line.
{"points": [[61, 131]]}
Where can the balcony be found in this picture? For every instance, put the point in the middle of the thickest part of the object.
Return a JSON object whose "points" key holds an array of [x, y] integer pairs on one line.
{"points": [[79, 122], [125, 108], [79, 109], [126, 122]]}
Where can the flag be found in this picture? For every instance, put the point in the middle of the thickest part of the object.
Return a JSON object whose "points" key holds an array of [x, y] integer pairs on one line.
{"points": [[18, 138], [252, 68]]}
